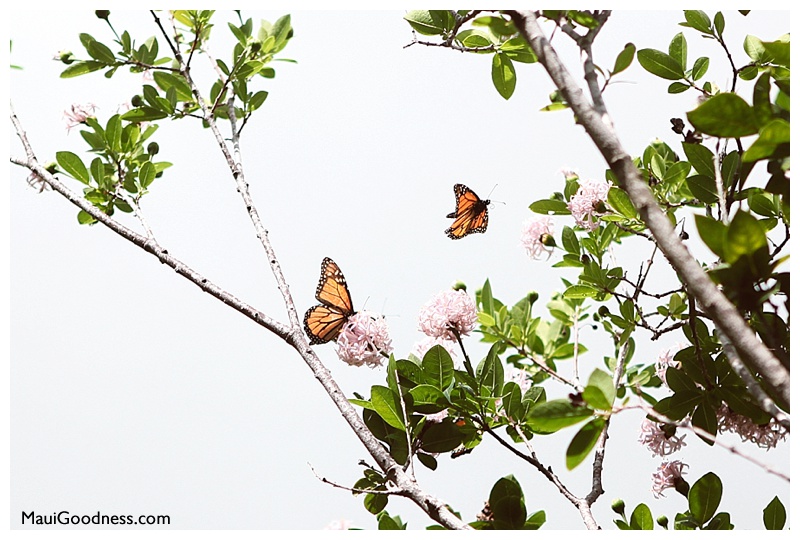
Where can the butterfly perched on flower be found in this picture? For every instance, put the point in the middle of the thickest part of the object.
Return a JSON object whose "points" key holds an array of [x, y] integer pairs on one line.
{"points": [[471, 214], [324, 322]]}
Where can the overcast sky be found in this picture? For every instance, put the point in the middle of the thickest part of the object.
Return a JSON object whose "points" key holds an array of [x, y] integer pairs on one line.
{"points": [[132, 392]]}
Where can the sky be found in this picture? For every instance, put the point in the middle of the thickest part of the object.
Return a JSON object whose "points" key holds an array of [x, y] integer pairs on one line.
{"points": [[132, 392]]}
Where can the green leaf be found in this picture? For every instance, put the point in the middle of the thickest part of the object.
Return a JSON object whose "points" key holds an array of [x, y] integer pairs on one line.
{"points": [[144, 114], [677, 172], [556, 414], [518, 50], [677, 88], [508, 504], [388, 523], [550, 207], [100, 52], [600, 392], [437, 367], [535, 520], [698, 20], [504, 76], [705, 418], [704, 497], [701, 158], [387, 405], [700, 67], [779, 51], [624, 59], [703, 187], [147, 174], [641, 518], [428, 399], [678, 50], [98, 171], [724, 115], [581, 291], [73, 166], [375, 502], [81, 68], [771, 135], [621, 203], [719, 23], [583, 442], [165, 81], [442, 437], [755, 49], [473, 38], [491, 374], [424, 22], [660, 64], [744, 237], [679, 381], [774, 515], [570, 240], [84, 218]]}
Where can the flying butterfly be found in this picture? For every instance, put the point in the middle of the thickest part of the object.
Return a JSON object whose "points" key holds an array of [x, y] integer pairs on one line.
{"points": [[324, 322], [471, 214]]}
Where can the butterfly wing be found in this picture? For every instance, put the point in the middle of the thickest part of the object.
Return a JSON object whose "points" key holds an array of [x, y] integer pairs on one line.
{"points": [[324, 322], [471, 214]]}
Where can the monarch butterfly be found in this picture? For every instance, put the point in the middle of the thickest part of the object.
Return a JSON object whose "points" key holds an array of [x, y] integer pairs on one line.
{"points": [[324, 322], [471, 214]]}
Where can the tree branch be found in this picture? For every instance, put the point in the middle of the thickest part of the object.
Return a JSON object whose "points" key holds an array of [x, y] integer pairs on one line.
{"points": [[724, 314]]}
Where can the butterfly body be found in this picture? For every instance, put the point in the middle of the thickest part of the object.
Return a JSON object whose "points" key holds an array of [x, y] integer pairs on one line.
{"points": [[471, 214], [324, 322]]}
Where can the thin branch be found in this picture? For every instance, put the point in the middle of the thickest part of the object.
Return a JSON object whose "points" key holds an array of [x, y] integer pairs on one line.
{"points": [[725, 315], [353, 490]]}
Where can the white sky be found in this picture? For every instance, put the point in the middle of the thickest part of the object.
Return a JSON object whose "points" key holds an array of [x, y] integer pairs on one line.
{"points": [[134, 393]]}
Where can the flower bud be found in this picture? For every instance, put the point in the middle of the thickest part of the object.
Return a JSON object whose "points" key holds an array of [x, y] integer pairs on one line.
{"points": [[459, 286], [618, 506], [137, 101], [152, 148], [548, 240], [64, 57], [533, 296], [663, 521], [102, 14], [603, 311]]}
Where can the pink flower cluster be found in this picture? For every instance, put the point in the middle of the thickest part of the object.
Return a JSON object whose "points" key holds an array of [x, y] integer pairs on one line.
{"points": [[654, 438], [666, 476], [77, 114], [583, 204], [447, 312], [664, 361], [364, 340], [763, 435], [534, 233]]}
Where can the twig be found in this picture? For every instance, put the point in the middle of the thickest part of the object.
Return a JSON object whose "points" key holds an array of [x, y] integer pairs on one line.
{"points": [[353, 490]]}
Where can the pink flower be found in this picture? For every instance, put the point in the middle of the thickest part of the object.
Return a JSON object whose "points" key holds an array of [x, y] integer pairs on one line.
{"points": [[763, 435], [664, 361], [666, 476], [364, 340], [77, 114], [584, 203], [338, 525], [447, 312], [437, 417], [536, 231], [654, 438], [425, 344]]}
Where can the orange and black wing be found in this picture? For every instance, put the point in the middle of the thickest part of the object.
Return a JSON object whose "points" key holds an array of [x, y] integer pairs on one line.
{"points": [[324, 322], [471, 214]]}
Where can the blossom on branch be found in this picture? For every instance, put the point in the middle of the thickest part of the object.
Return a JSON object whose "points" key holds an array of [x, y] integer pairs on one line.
{"points": [[537, 236], [77, 114], [659, 442], [763, 435], [665, 360], [448, 312], [588, 202], [364, 339], [668, 475]]}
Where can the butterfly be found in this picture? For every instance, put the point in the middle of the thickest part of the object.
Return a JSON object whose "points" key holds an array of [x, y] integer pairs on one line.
{"points": [[324, 322], [471, 214]]}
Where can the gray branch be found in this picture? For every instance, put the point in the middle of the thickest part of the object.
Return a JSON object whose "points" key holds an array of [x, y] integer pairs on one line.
{"points": [[724, 314]]}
